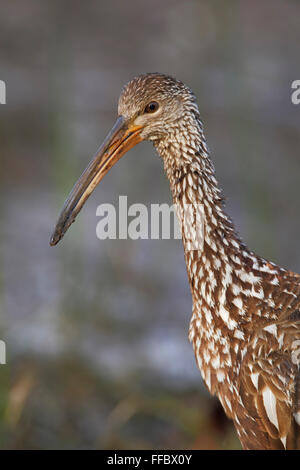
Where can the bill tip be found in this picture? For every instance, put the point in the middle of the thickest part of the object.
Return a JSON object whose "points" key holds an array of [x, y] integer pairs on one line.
{"points": [[54, 240]]}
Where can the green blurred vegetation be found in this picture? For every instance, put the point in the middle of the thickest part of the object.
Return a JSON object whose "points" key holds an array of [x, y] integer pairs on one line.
{"points": [[63, 403]]}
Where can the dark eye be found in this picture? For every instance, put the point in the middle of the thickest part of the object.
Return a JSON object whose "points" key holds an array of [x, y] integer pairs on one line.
{"points": [[151, 107]]}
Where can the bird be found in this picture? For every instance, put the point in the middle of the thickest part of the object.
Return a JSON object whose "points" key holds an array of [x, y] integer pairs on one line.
{"points": [[245, 322]]}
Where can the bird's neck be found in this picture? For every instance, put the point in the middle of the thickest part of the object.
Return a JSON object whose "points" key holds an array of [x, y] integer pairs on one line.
{"points": [[209, 237], [232, 288]]}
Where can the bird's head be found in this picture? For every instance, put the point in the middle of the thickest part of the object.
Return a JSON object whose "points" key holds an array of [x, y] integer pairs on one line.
{"points": [[151, 107], [156, 104]]}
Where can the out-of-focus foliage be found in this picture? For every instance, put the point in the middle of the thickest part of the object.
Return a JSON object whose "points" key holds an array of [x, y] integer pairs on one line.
{"points": [[96, 332]]}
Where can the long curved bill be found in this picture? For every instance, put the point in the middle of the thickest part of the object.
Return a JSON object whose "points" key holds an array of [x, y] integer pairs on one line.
{"points": [[121, 138]]}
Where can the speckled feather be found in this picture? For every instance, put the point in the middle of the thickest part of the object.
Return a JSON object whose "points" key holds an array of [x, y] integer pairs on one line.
{"points": [[245, 325]]}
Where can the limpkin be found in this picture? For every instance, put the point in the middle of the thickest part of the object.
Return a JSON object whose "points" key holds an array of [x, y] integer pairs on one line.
{"points": [[245, 325]]}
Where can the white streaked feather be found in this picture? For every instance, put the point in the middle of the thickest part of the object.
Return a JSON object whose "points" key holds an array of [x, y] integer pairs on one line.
{"points": [[254, 379], [269, 400], [271, 329], [283, 440], [297, 417]]}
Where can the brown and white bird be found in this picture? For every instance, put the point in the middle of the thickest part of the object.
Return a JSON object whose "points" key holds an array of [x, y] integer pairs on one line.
{"points": [[245, 325]]}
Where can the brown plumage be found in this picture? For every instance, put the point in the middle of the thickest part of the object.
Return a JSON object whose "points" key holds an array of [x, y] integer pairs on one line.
{"points": [[245, 326]]}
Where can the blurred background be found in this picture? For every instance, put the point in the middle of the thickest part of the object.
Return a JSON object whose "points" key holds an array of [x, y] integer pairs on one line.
{"points": [[97, 331]]}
